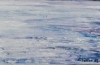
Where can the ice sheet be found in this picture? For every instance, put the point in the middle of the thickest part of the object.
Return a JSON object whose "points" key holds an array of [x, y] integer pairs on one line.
{"points": [[49, 32]]}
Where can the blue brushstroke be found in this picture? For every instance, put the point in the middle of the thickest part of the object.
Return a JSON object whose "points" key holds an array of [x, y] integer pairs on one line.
{"points": [[29, 37], [85, 34], [24, 60], [93, 57], [21, 60], [98, 23]]}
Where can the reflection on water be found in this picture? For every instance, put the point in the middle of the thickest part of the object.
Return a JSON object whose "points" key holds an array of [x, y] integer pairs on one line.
{"points": [[49, 32]]}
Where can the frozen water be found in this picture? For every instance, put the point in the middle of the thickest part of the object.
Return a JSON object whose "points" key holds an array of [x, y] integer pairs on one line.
{"points": [[47, 32]]}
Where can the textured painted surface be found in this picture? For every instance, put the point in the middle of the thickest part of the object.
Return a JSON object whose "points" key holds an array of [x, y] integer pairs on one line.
{"points": [[49, 32]]}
